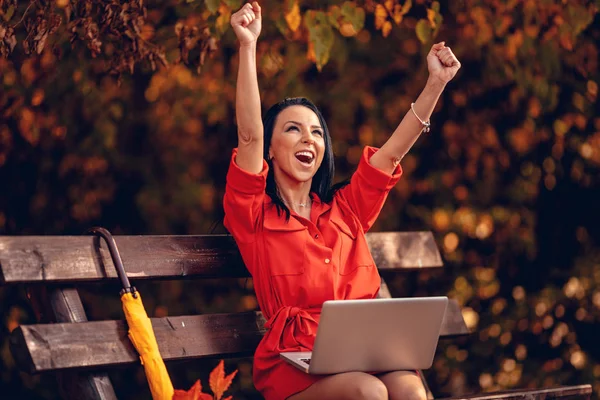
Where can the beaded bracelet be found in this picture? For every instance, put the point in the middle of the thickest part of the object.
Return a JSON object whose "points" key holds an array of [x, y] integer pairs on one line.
{"points": [[426, 124]]}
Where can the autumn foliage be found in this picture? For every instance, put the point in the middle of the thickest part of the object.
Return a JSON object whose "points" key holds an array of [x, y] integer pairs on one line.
{"points": [[121, 114], [219, 383]]}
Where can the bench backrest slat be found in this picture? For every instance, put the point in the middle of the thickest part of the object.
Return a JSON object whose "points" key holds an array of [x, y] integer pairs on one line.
{"points": [[85, 258], [51, 347]]}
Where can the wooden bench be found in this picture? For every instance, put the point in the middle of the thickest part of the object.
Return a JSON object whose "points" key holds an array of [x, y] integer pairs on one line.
{"points": [[77, 350]]}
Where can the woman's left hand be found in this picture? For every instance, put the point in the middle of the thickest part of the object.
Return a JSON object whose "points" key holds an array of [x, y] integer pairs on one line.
{"points": [[442, 63]]}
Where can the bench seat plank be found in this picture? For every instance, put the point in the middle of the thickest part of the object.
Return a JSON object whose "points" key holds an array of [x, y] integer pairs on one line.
{"points": [[572, 392], [50, 347], [30, 259]]}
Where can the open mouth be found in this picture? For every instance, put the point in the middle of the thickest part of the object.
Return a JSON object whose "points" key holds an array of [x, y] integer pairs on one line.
{"points": [[305, 157]]}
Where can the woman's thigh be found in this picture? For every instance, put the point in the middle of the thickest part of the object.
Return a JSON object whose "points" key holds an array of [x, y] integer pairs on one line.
{"points": [[345, 386], [404, 385]]}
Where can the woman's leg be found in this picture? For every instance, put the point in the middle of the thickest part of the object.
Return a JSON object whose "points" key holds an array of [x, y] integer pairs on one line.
{"points": [[404, 385], [345, 386]]}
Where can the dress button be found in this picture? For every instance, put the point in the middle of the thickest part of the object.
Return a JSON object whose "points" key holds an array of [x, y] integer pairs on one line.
{"points": [[327, 261]]}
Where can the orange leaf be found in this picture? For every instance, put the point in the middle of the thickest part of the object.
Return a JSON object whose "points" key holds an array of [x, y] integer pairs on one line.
{"points": [[293, 17], [310, 54], [389, 4], [219, 383], [386, 29], [195, 393], [380, 16], [431, 17], [398, 15], [347, 29]]}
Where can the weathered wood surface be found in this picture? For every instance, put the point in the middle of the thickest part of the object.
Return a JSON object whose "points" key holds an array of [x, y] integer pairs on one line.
{"points": [[67, 307], [48, 347], [571, 392], [404, 250], [86, 258]]}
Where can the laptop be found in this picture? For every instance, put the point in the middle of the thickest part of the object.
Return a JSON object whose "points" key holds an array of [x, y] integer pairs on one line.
{"points": [[375, 335]]}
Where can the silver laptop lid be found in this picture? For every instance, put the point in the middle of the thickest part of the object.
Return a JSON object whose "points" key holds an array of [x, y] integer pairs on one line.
{"points": [[378, 335]]}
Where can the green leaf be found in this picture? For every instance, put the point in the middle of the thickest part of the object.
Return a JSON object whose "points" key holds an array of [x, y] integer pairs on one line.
{"points": [[423, 30], [282, 26], [212, 5], [579, 18], [438, 23], [320, 35], [354, 14], [560, 127], [406, 7], [436, 7], [9, 13], [234, 4], [222, 22], [550, 60], [334, 15], [288, 5]]}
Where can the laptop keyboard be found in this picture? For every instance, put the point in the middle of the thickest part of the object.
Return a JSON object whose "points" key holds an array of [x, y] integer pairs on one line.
{"points": [[306, 360]]}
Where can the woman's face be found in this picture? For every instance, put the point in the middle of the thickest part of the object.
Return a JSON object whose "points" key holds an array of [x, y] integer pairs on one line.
{"points": [[297, 144]]}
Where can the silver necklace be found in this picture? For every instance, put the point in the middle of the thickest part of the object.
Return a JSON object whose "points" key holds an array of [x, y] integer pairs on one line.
{"points": [[305, 204]]}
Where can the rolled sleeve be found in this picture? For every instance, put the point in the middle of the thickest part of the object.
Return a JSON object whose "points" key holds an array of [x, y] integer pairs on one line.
{"points": [[246, 182], [368, 189], [243, 200], [374, 177]]}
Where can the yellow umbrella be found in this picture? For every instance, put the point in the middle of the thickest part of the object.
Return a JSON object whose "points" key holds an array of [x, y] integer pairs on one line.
{"points": [[142, 336], [141, 333]]}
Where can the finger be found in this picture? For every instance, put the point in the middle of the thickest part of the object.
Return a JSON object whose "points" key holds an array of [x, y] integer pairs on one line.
{"points": [[438, 46], [447, 61], [250, 16], [451, 60], [242, 11], [245, 21], [237, 19], [257, 9], [445, 53]]}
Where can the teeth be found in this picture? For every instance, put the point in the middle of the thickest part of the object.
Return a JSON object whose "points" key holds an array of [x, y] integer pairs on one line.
{"points": [[305, 153]]}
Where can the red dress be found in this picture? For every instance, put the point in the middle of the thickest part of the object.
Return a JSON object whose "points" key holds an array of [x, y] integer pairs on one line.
{"points": [[299, 264]]}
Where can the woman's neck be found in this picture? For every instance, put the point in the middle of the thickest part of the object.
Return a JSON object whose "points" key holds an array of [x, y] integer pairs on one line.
{"points": [[295, 196]]}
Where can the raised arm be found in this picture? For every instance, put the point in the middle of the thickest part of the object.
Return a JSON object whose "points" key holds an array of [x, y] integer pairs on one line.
{"points": [[246, 24], [442, 65]]}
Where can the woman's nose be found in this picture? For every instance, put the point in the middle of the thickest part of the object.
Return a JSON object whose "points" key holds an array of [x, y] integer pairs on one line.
{"points": [[307, 138]]}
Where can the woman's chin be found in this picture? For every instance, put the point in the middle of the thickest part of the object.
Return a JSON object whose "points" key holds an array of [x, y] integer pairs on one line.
{"points": [[303, 176]]}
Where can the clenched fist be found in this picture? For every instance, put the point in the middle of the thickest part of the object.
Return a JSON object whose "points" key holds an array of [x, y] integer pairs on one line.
{"points": [[247, 22], [442, 63]]}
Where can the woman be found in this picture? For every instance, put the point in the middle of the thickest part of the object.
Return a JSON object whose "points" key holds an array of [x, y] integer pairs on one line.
{"points": [[302, 240]]}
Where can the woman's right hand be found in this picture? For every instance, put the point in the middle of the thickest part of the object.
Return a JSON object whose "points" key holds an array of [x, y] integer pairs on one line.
{"points": [[247, 22]]}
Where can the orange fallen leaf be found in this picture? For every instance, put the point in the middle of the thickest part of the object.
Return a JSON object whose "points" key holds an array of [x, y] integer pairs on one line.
{"points": [[219, 383], [195, 393]]}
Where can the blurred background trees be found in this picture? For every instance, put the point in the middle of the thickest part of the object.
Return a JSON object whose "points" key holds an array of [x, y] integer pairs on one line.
{"points": [[121, 114]]}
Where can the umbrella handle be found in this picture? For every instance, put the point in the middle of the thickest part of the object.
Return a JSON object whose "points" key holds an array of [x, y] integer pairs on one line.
{"points": [[116, 259]]}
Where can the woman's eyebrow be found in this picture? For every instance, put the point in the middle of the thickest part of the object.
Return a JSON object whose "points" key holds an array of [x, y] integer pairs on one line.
{"points": [[298, 123]]}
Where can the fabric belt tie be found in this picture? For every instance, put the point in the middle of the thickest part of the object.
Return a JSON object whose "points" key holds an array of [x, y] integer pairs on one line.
{"points": [[292, 329]]}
